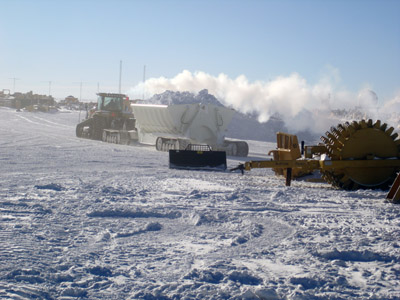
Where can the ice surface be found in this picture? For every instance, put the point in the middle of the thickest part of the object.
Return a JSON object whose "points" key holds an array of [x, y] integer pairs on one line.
{"points": [[86, 219]]}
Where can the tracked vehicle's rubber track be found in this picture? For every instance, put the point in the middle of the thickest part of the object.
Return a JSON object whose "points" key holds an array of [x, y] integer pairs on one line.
{"points": [[361, 140]]}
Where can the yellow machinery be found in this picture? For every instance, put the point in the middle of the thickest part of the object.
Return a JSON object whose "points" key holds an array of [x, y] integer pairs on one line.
{"points": [[362, 154], [394, 192]]}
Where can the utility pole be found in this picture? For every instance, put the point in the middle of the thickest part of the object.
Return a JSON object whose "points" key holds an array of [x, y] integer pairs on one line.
{"points": [[120, 76], [144, 79], [80, 99], [80, 90], [14, 79], [49, 86]]}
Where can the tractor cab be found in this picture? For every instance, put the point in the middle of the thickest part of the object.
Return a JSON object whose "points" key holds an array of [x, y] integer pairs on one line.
{"points": [[113, 112], [112, 102]]}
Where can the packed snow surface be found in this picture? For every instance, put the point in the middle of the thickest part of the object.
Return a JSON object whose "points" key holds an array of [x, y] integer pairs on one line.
{"points": [[83, 219]]}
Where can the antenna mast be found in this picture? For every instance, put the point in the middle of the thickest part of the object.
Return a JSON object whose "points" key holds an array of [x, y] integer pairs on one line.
{"points": [[120, 76], [144, 79], [14, 79]]}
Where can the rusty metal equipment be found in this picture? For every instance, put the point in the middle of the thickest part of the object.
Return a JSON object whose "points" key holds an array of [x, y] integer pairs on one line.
{"points": [[363, 154], [394, 192]]}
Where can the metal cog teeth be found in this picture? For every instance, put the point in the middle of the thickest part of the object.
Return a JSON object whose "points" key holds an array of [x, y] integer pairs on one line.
{"points": [[355, 125], [341, 127], [330, 136], [335, 133], [337, 145], [363, 124], [344, 139], [324, 139], [333, 128], [345, 182], [377, 124], [328, 148], [335, 154], [390, 131], [351, 129]]}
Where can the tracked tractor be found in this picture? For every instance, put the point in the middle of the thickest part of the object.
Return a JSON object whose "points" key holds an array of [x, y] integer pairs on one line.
{"points": [[113, 114], [168, 127]]}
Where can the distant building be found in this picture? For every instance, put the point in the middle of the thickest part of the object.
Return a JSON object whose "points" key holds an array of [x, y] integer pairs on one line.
{"points": [[21, 100], [5, 98], [71, 100]]}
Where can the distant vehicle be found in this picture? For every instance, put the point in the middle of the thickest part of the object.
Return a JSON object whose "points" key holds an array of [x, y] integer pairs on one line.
{"points": [[112, 113], [168, 127]]}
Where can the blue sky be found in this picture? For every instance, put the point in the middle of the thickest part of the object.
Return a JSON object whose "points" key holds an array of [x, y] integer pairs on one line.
{"points": [[68, 42]]}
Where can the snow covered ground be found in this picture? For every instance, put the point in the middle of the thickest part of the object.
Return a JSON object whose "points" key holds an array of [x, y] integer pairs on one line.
{"points": [[85, 219]]}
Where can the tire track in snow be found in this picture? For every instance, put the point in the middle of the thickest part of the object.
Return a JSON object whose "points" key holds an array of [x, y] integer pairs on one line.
{"points": [[60, 135], [43, 122], [54, 123]]}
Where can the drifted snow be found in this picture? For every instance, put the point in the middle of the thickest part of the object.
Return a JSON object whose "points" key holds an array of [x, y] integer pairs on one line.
{"points": [[86, 219]]}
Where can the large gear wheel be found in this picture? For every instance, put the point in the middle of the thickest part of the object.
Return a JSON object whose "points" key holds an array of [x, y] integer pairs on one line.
{"points": [[361, 140]]}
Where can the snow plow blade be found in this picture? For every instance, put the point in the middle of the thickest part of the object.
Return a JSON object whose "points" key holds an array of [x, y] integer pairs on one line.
{"points": [[197, 157]]}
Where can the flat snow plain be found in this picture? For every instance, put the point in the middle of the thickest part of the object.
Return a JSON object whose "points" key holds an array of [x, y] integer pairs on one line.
{"points": [[82, 219]]}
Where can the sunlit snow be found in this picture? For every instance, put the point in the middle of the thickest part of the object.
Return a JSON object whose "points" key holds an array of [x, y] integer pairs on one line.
{"points": [[86, 219]]}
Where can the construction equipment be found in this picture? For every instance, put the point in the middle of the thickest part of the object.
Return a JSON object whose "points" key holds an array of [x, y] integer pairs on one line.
{"points": [[112, 116], [170, 127], [394, 192], [197, 157], [354, 155], [167, 127]]}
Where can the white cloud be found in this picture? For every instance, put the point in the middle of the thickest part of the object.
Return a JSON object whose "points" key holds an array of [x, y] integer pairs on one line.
{"points": [[302, 106]]}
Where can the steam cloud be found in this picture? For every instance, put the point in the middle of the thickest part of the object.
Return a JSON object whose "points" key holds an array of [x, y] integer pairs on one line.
{"points": [[301, 105]]}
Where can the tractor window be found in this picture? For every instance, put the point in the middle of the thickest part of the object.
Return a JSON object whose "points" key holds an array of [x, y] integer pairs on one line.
{"points": [[112, 103], [99, 103]]}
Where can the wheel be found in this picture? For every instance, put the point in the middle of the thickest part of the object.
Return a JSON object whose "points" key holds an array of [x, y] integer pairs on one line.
{"points": [[79, 130], [104, 137], [118, 139], [242, 149], [361, 140], [99, 123], [159, 144], [80, 127], [176, 145], [233, 149]]}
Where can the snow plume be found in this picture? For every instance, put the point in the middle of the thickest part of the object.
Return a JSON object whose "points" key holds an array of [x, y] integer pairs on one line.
{"points": [[302, 106], [391, 111]]}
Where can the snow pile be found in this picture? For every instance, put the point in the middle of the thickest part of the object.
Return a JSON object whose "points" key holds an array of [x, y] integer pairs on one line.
{"points": [[170, 97], [86, 219]]}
